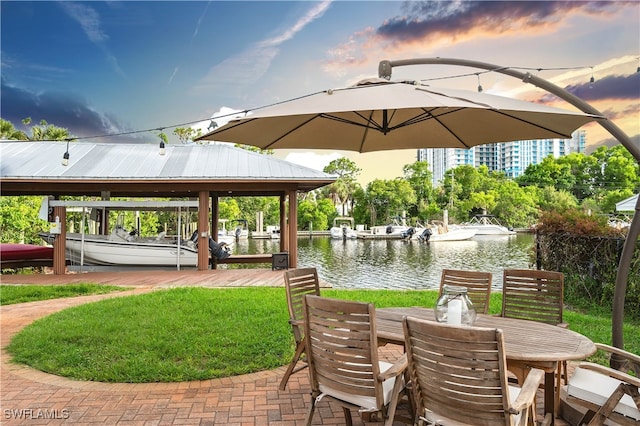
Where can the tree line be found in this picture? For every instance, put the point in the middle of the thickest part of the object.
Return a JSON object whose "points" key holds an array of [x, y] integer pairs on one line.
{"points": [[592, 183]]}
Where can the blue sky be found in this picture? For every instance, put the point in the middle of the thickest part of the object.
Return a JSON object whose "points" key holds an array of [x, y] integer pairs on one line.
{"points": [[109, 67]]}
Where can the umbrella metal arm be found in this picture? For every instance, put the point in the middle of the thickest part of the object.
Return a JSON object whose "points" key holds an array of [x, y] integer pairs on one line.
{"points": [[384, 71]]}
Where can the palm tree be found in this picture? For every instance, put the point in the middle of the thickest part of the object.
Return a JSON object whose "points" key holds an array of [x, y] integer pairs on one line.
{"points": [[46, 132], [7, 131]]}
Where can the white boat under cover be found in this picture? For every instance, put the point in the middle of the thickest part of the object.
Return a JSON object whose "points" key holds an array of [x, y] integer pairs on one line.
{"points": [[125, 248]]}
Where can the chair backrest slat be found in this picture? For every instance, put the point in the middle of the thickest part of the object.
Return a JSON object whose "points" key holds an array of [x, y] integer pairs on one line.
{"points": [[478, 284], [533, 295]]}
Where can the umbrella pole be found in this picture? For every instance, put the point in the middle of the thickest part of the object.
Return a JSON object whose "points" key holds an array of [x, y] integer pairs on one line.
{"points": [[384, 71]]}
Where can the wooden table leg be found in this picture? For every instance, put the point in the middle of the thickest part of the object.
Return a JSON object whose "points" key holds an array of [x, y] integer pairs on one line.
{"points": [[550, 394]]}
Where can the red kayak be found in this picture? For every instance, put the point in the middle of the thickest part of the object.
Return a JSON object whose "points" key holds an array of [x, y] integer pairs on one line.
{"points": [[21, 255]]}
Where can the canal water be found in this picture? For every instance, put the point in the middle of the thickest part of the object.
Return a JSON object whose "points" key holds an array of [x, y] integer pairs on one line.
{"points": [[396, 264]]}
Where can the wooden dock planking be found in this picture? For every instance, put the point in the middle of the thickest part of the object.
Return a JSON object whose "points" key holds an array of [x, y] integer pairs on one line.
{"points": [[159, 278]]}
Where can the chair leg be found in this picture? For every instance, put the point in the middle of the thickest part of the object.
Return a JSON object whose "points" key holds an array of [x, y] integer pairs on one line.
{"points": [[290, 370], [607, 408], [311, 410], [347, 416], [561, 376], [393, 404]]}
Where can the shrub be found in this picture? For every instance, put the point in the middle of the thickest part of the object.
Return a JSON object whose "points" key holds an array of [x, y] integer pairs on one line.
{"points": [[588, 252]]}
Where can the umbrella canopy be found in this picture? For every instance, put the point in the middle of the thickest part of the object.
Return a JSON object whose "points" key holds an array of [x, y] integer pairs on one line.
{"points": [[378, 115]]}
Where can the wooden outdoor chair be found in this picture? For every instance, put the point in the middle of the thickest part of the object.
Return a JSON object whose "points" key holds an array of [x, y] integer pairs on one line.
{"points": [[478, 286], [459, 376], [297, 284], [342, 354], [606, 393], [535, 295]]}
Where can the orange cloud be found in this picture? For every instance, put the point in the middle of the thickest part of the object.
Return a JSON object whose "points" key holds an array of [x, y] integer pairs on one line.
{"points": [[428, 26]]}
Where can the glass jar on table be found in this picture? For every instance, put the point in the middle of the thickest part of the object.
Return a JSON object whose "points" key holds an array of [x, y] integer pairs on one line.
{"points": [[455, 307]]}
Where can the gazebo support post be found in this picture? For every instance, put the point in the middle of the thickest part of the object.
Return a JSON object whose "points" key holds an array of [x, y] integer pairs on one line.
{"points": [[284, 242], [293, 229], [203, 230], [384, 71], [59, 245]]}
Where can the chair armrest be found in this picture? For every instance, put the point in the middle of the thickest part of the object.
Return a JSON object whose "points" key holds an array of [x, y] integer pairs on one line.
{"points": [[527, 391], [395, 370], [611, 349], [623, 377], [629, 361]]}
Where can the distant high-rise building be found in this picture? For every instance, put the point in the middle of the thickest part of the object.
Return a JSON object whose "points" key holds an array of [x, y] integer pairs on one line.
{"points": [[442, 159], [512, 158]]}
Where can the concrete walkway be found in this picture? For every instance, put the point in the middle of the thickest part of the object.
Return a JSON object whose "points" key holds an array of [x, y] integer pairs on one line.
{"points": [[28, 396]]}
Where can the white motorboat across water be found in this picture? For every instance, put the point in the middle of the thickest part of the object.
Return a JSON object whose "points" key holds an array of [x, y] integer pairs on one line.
{"points": [[454, 234], [486, 224], [343, 228], [396, 229], [436, 232]]}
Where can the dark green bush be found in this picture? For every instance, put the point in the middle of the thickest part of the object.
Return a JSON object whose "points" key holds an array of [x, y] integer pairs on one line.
{"points": [[588, 252]]}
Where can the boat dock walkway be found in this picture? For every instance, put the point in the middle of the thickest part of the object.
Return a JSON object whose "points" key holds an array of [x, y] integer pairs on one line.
{"points": [[259, 277]]}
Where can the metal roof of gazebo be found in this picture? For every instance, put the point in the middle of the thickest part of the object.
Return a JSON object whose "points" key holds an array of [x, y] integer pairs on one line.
{"points": [[205, 172], [138, 170]]}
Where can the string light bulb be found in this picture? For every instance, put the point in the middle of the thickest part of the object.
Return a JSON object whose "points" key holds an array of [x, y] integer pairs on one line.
{"points": [[65, 156], [162, 137], [592, 79], [479, 85]]}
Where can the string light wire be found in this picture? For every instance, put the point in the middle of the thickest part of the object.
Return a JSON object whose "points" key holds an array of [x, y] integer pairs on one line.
{"points": [[245, 112]]}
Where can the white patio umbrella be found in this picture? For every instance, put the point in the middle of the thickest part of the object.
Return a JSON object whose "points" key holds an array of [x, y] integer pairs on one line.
{"points": [[378, 115]]}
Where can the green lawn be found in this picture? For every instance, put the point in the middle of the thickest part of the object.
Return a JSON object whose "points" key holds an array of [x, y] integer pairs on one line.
{"points": [[10, 294], [198, 333]]}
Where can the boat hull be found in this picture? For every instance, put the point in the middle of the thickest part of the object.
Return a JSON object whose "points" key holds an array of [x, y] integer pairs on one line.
{"points": [[489, 230], [485, 224], [98, 250], [451, 235], [391, 231], [343, 232]]}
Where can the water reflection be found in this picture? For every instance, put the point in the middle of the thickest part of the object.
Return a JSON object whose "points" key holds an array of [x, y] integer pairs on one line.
{"points": [[396, 264]]}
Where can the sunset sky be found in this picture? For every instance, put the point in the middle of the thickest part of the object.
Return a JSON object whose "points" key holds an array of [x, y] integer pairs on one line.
{"points": [[102, 68]]}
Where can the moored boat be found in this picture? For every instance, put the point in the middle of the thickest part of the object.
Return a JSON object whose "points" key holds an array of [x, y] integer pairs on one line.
{"points": [[127, 249], [241, 229], [343, 228], [486, 224], [441, 233], [396, 229]]}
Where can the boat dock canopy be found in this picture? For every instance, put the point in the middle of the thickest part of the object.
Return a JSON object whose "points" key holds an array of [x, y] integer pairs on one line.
{"points": [[139, 170]]}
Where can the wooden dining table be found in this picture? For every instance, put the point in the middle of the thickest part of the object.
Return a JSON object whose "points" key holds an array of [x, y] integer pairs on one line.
{"points": [[528, 344]]}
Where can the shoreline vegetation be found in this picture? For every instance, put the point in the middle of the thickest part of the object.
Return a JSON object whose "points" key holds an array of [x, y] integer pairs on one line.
{"points": [[193, 333]]}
